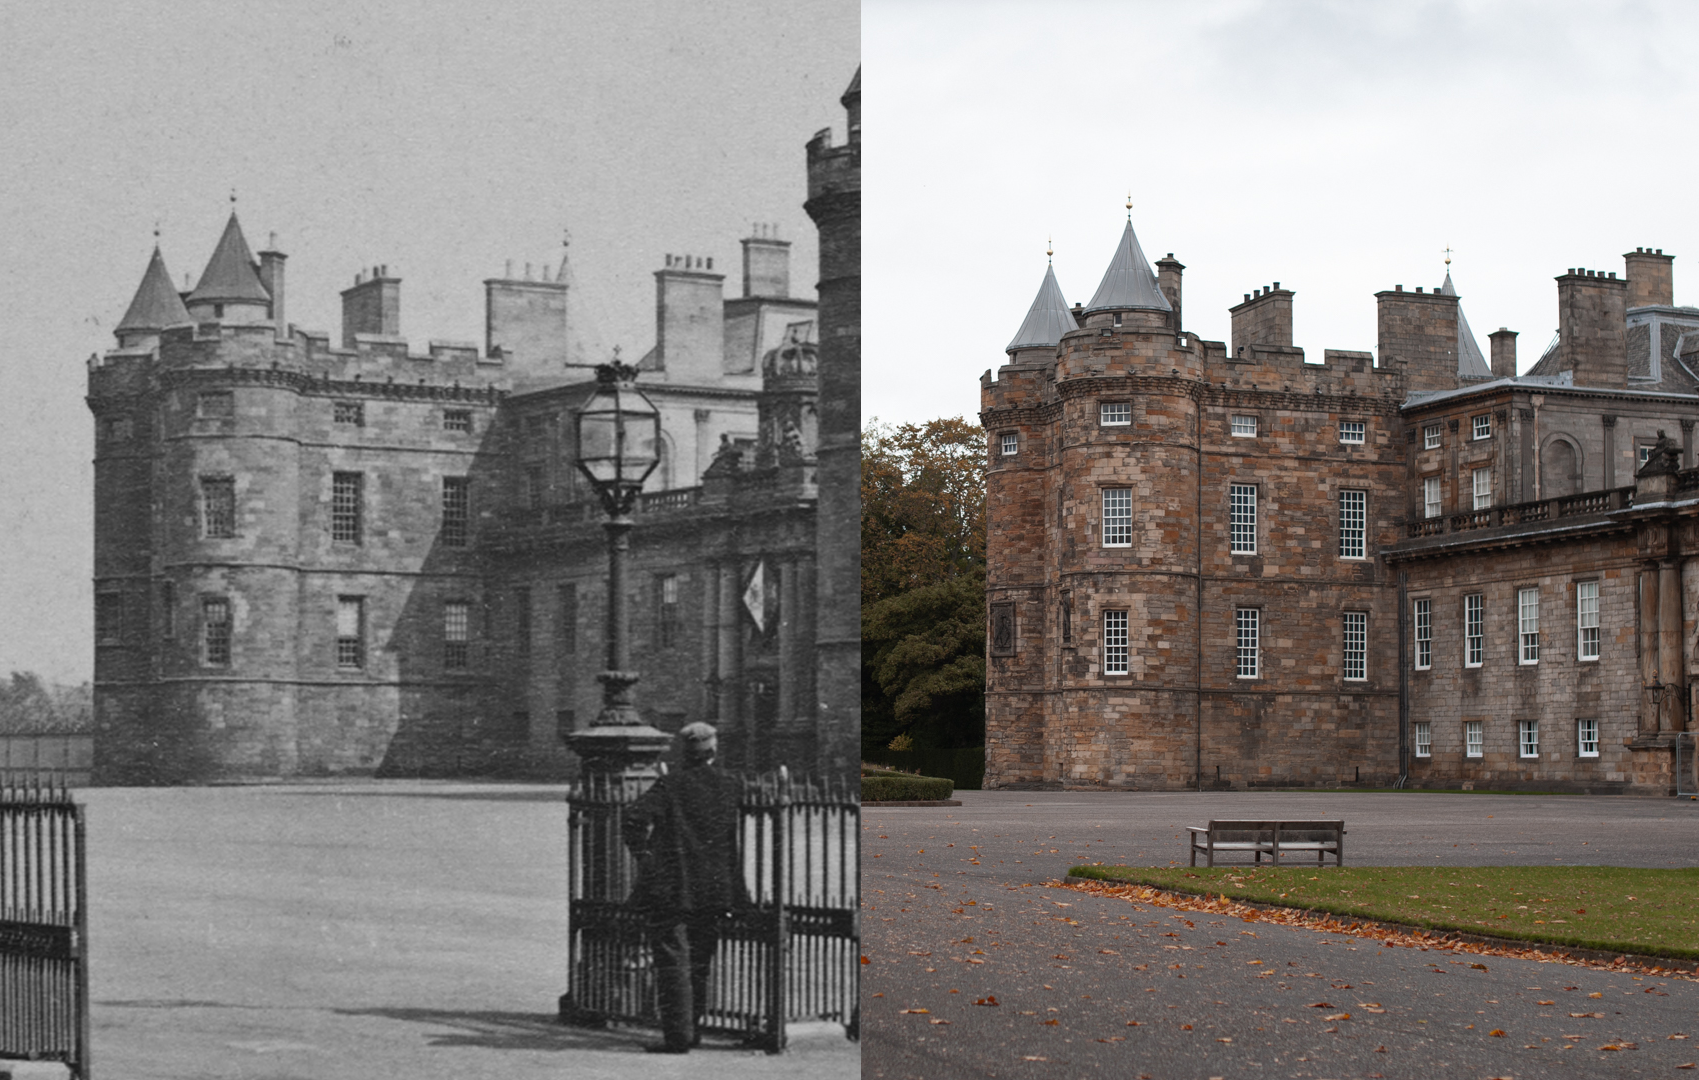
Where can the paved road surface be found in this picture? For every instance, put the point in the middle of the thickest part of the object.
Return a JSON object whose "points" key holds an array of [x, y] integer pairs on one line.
{"points": [[1074, 960], [353, 930]]}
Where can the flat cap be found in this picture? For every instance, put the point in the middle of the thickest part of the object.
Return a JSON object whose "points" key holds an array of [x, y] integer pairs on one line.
{"points": [[699, 736]]}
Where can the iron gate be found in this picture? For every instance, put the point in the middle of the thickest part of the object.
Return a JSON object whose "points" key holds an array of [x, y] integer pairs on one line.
{"points": [[43, 923], [792, 955]]}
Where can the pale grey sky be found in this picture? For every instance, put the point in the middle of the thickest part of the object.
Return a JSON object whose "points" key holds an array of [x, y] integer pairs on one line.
{"points": [[1334, 147], [442, 139]]}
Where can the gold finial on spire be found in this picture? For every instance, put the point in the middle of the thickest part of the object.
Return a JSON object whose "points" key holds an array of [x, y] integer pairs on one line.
{"points": [[1129, 204], [156, 232], [1049, 248], [1448, 260], [232, 194]]}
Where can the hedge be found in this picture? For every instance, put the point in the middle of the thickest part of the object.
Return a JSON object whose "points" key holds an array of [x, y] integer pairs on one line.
{"points": [[904, 788]]}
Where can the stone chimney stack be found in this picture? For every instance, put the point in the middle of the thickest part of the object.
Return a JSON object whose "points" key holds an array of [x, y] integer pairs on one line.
{"points": [[1592, 327], [1418, 329], [766, 264], [1650, 277], [271, 276], [1265, 318], [689, 320], [371, 306], [1504, 353], [1168, 271]]}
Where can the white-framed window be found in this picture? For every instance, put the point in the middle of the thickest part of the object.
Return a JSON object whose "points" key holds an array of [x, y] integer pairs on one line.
{"points": [[1483, 488], [1244, 427], [1424, 634], [1114, 643], [1352, 431], [1474, 630], [1586, 620], [1247, 625], [350, 631], [1482, 426], [1353, 524], [1430, 437], [456, 635], [349, 412], [1430, 497], [1356, 658], [457, 419], [1528, 626], [1110, 413], [1642, 454], [1423, 737], [1587, 738], [1472, 740], [1528, 738], [1011, 443], [1117, 517], [215, 629], [1242, 518]]}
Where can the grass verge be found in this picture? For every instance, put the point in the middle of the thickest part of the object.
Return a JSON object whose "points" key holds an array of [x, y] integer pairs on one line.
{"points": [[1611, 908]]}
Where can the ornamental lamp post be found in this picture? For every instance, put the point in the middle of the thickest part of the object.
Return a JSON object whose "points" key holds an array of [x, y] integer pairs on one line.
{"points": [[618, 446]]}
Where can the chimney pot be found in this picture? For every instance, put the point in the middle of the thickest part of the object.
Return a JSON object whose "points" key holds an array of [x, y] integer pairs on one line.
{"points": [[1660, 251], [1247, 298], [1418, 288], [1398, 288], [1277, 284]]}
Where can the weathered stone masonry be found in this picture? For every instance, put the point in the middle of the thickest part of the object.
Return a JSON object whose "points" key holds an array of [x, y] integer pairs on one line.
{"points": [[1442, 455]]}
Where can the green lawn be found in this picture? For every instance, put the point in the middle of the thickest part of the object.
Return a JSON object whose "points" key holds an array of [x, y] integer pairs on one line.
{"points": [[1654, 912]]}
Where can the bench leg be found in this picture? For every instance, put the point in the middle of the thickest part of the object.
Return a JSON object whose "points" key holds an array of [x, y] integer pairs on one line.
{"points": [[1194, 853]]}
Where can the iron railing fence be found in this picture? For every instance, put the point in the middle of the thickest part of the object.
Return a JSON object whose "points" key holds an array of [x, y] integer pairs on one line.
{"points": [[44, 995], [791, 955]]}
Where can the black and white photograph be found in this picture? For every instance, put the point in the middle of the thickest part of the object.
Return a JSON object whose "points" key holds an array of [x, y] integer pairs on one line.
{"points": [[464, 686]]}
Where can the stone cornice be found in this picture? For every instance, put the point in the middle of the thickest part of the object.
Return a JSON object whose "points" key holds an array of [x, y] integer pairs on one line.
{"points": [[323, 386]]}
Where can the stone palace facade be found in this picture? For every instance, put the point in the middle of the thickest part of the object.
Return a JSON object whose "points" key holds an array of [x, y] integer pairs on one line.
{"points": [[1224, 564]]}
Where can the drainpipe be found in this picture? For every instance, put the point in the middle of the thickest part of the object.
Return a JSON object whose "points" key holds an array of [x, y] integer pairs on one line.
{"points": [[1538, 400], [1197, 619], [1403, 678]]}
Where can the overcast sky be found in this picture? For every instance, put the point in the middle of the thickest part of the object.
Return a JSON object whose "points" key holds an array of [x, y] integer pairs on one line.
{"points": [[1334, 147], [439, 139]]}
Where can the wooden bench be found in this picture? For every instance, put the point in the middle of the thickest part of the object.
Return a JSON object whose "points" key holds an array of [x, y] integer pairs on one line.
{"points": [[1273, 838]]}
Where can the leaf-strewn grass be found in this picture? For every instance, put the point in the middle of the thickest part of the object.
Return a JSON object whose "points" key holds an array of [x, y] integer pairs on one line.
{"points": [[1621, 909]]}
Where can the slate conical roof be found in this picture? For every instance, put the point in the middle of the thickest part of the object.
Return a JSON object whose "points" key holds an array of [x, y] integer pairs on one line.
{"points": [[156, 304], [229, 274], [1129, 281], [1470, 363], [1048, 318]]}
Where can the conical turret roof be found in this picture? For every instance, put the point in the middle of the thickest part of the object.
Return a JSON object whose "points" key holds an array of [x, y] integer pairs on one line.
{"points": [[1129, 282], [1470, 363], [1048, 318], [156, 304], [229, 275]]}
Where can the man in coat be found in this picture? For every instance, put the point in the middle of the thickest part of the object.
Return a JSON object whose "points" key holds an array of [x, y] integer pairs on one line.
{"points": [[684, 834]]}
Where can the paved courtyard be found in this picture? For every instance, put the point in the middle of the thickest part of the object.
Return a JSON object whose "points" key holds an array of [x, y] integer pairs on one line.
{"points": [[955, 913], [354, 930]]}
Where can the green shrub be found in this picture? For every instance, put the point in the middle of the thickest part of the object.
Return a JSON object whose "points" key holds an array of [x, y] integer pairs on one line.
{"points": [[904, 788]]}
